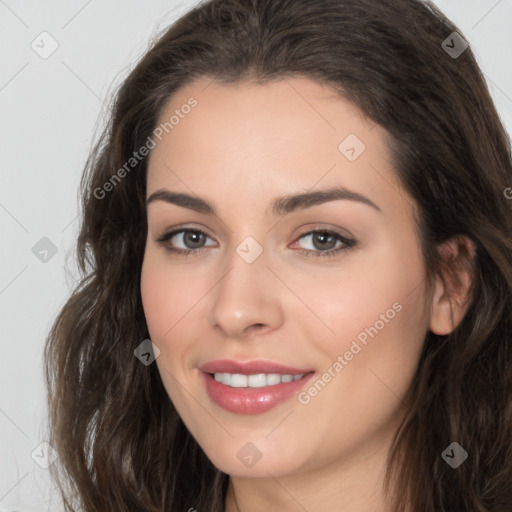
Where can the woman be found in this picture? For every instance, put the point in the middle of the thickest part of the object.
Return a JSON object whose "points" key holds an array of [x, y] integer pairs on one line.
{"points": [[297, 272]]}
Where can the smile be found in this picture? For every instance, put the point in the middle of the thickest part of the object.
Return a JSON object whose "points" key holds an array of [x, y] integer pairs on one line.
{"points": [[259, 380]]}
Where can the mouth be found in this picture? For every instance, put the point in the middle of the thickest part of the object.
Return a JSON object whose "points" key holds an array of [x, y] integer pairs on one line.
{"points": [[252, 393]]}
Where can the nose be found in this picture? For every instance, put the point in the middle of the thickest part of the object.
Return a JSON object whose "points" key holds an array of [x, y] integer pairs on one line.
{"points": [[247, 299]]}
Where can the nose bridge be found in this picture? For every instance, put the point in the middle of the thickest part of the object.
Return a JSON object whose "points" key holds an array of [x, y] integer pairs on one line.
{"points": [[246, 294]]}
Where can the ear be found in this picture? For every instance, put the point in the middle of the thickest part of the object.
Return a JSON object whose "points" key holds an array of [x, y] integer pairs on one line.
{"points": [[451, 294]]}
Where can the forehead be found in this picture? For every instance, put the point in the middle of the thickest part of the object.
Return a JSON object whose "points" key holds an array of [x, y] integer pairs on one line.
{"points": [[248, 140]]}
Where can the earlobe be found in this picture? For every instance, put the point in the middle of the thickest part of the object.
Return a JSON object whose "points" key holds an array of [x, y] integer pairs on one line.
{"points": [[442, 318], [451, 295]]}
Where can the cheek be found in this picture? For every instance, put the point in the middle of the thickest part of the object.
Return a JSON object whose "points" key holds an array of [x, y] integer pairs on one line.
{"points": [[167, 297], [376, 313], [156, 297], [368, 364], [357, 296], [168, 294], [380, 320]]}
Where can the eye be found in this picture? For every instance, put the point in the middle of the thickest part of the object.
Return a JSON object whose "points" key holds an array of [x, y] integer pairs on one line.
{"points": [[191, 239], [325, 243]]}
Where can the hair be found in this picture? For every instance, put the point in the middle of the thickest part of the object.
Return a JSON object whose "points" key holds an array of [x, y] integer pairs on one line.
{"points": [[121, 443]]}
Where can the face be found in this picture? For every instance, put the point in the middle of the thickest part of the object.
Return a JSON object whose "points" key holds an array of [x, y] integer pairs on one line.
{"points": [[330, 288]]}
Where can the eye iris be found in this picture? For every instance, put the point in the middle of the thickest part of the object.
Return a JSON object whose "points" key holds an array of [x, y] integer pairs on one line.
{"points": [[193, 237], [323, 237]]}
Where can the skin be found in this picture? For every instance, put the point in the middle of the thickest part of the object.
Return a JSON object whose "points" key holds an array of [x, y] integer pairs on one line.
{"points": [[241, 147]]}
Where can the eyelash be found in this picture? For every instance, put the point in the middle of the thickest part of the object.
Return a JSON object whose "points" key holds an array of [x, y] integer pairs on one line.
{"points": [[348, 243]]}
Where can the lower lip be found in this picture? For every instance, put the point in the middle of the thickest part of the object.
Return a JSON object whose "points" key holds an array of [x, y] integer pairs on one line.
{"points": [[251, 400]]}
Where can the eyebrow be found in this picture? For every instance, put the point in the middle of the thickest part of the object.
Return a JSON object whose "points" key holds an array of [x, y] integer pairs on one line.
{"points": [[281, 206]]}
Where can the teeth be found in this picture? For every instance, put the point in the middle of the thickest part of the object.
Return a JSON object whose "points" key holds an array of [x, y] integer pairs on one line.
{"points": [[259, 380]]}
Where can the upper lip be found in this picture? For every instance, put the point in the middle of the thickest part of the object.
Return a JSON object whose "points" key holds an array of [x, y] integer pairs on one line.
{"points": [[249, 367]]}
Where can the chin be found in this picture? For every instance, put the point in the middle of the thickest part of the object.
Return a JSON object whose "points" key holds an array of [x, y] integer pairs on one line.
{"points": [[249, 462]]}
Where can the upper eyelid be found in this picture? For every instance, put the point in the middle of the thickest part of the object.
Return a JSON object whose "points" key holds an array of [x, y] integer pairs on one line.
{"points": [[171, 233]]}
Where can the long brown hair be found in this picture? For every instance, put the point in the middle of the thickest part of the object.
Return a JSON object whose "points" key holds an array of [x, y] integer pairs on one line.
{"points": [[122, 446]]}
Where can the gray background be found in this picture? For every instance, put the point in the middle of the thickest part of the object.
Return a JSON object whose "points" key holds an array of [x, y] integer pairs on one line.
{"points": [[51, 110]]}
